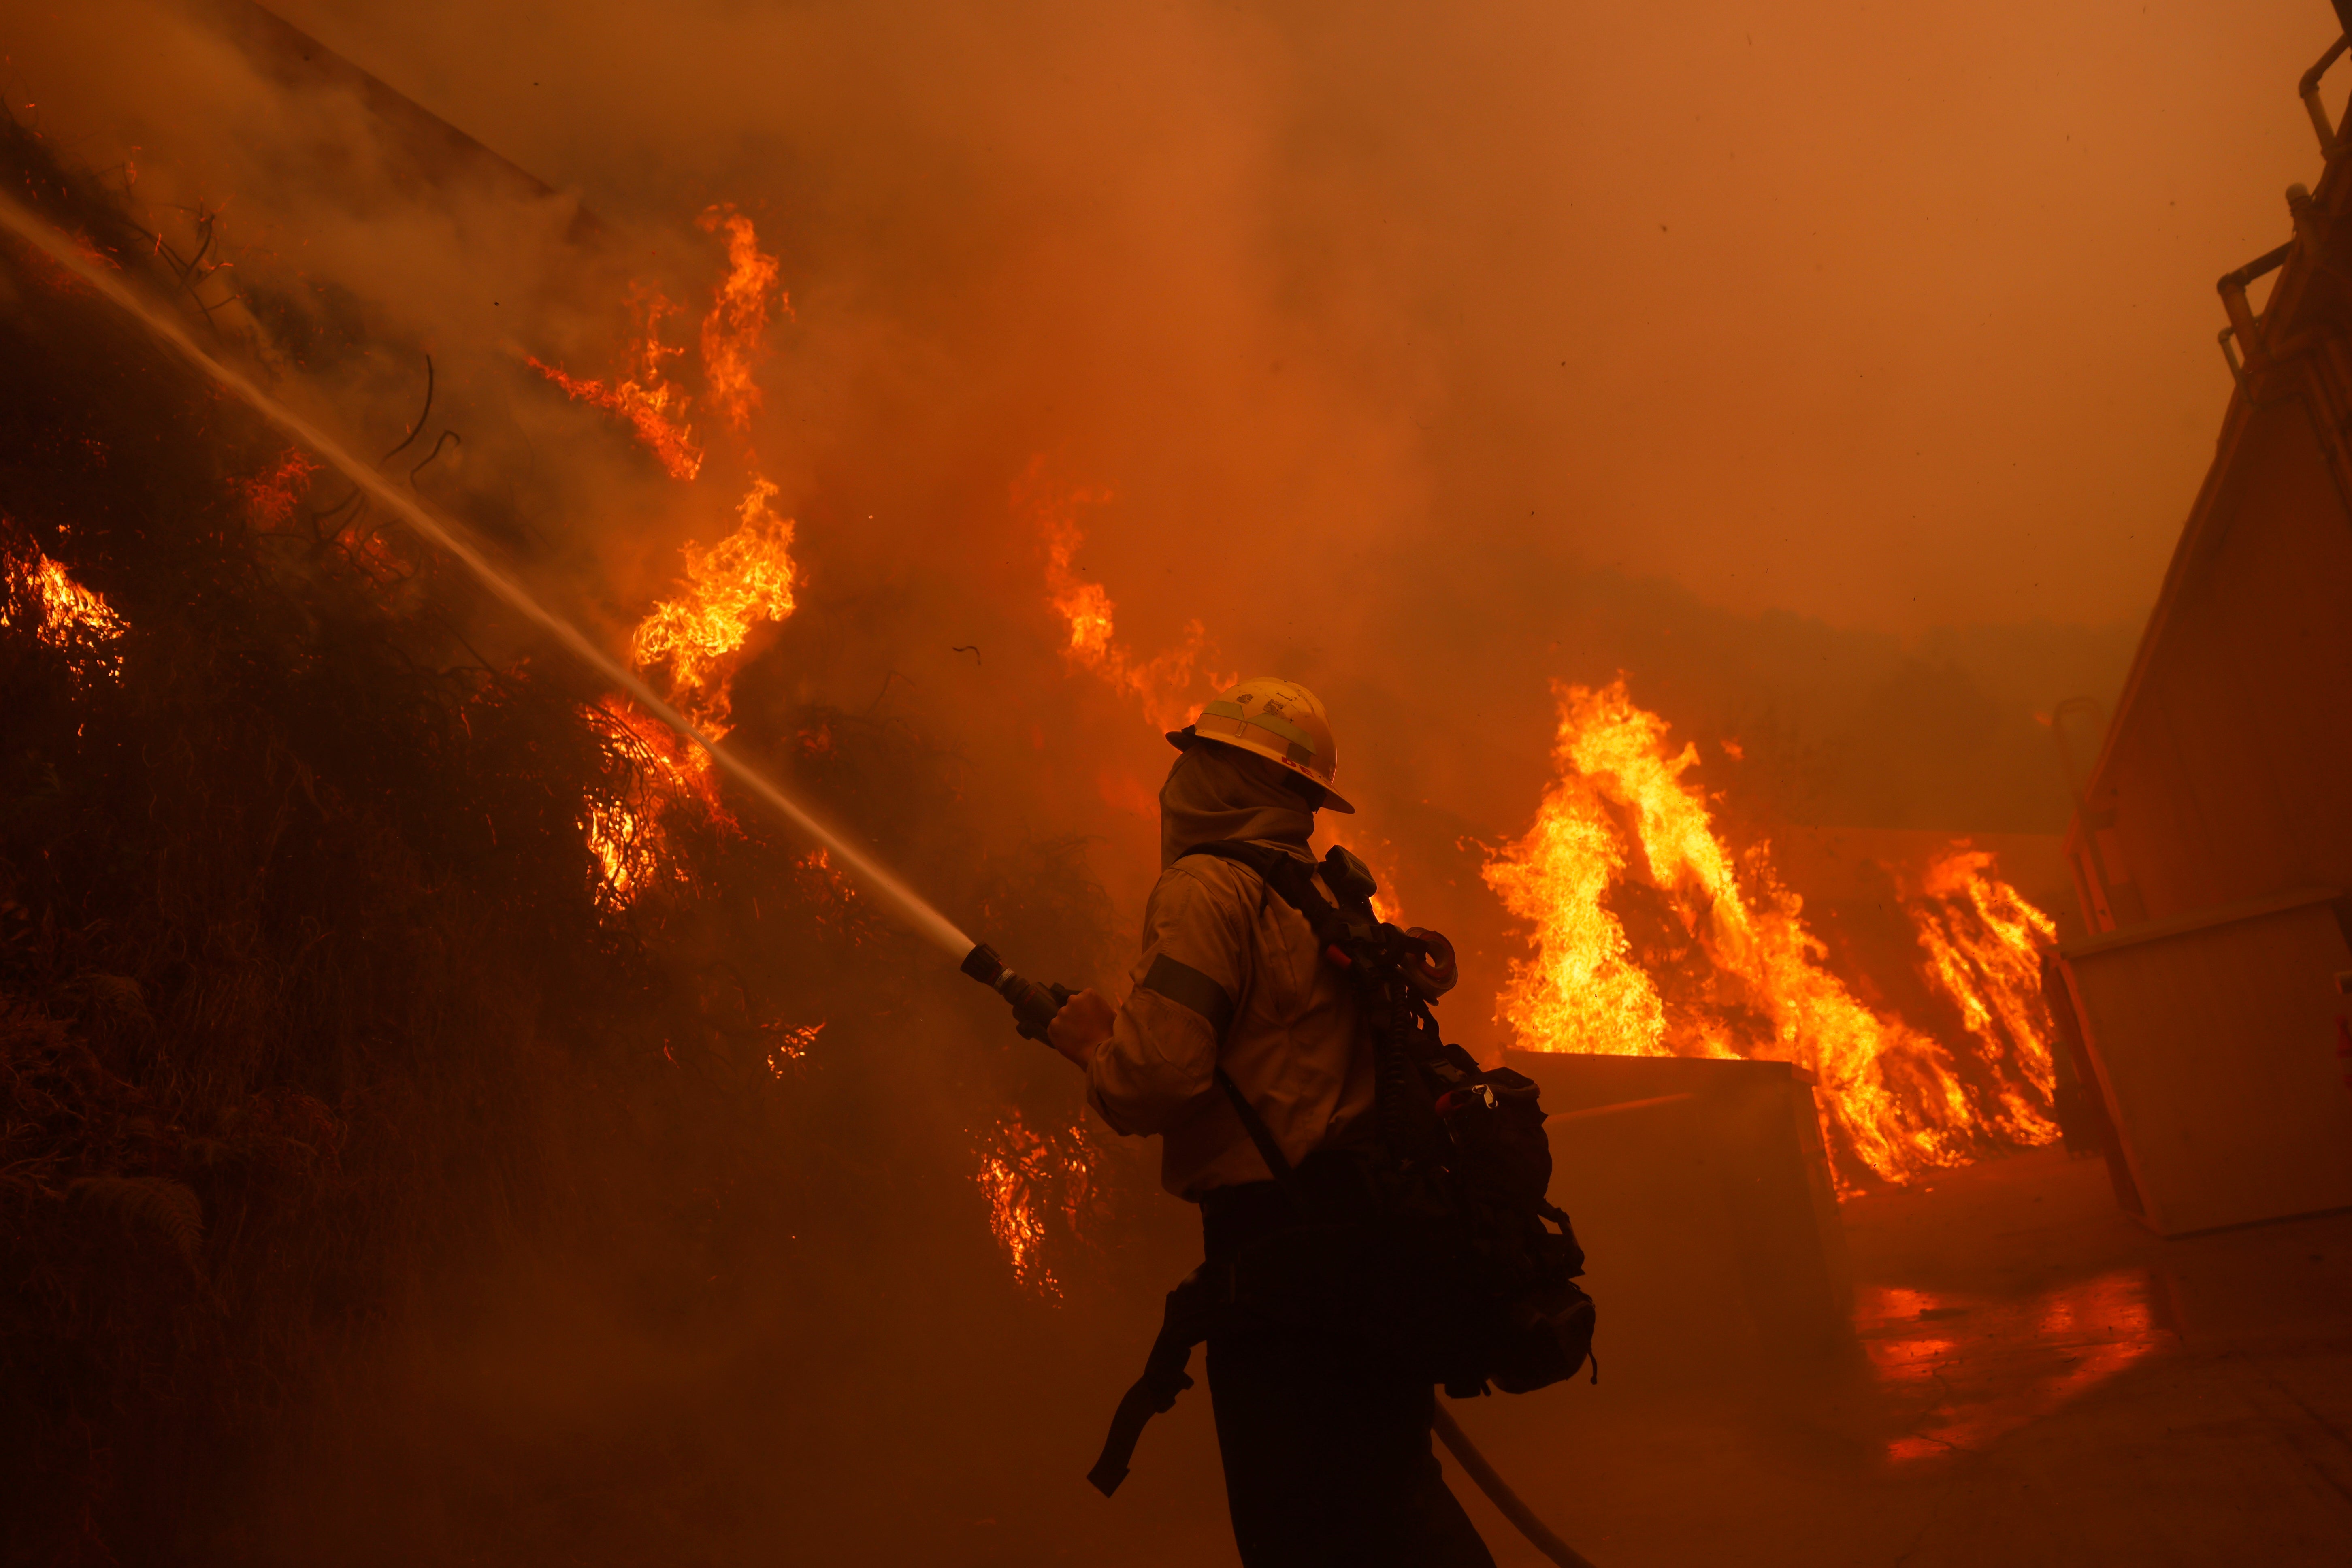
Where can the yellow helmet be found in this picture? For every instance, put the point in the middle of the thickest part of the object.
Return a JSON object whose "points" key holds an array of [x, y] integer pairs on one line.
{"points": [[1280, 720]]}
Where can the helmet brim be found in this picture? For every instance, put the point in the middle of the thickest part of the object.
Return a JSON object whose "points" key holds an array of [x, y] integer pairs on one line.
{"points": [[1188, 737]]}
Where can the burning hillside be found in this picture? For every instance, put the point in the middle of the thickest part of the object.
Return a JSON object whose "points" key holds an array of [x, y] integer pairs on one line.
{"points": [[407, 1031], [360, 963]]}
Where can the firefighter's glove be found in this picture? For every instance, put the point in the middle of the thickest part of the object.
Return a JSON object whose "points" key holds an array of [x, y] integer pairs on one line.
{"points": [[1083, 1024]]}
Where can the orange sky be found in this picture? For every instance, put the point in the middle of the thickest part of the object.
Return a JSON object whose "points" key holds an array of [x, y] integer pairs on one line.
{"points": [[1891, 315]]}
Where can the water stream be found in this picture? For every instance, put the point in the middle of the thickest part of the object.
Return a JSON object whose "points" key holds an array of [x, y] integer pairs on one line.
{"points": [[449, 536]]}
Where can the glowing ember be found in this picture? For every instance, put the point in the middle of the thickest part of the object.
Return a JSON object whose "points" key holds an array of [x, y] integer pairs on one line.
{"points": [[271, 495], [644, 396], [831, 898], [1027, 1179], [1727, 967], [37, 592], [744, 579], [1163, 685], [791, 1045], [738, 315], [624, 858]]}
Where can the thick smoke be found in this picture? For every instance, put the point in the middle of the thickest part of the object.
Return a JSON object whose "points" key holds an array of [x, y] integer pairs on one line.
{"points": [[1424, 356], [1414, 356]]}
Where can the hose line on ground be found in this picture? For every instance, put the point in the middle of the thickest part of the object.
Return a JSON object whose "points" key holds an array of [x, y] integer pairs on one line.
{"points": [[1504, 1498]]}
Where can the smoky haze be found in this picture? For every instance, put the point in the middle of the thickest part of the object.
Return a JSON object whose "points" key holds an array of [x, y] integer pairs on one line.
{"points": [[1432, 358], [1890, 317], [1837, 373]]}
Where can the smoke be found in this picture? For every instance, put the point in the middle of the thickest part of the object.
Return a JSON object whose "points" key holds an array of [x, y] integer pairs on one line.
{"points": [[1838, 374], [1404, 349]]}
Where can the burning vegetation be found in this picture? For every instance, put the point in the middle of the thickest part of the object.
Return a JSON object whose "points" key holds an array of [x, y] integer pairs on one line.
{"points": [[349, 942], [359, 965], [39, 597], [1030, 1180], [1653, 938]]}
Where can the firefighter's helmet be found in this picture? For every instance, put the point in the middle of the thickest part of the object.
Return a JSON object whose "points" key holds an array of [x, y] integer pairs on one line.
{"points": [[1280, 720]]}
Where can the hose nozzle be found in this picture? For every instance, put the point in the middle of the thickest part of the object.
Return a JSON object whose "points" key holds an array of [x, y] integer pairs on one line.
{"points": [[1034, 1005]]}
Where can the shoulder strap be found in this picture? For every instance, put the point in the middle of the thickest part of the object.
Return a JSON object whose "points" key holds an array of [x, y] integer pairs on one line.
{"points": [[1261, 1135], [1287, 875], [1258, 858]]}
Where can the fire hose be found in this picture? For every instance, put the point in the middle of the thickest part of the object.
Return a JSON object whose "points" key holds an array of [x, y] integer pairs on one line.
{"points": [[1507, 1501]]}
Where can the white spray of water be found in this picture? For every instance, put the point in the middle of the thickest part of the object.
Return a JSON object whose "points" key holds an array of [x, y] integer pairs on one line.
{"points": [[926, 921]]}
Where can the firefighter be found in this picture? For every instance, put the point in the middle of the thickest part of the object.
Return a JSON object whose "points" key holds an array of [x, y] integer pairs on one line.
{"points": [[1325, 1446]]}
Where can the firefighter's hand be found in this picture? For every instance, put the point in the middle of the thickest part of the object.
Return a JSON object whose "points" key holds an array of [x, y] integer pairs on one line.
{"points": [[1083, 1023]]}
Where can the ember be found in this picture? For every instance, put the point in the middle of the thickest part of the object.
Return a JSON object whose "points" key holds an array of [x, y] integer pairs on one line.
{"points": [[1028, 1179], [791, 1044], [1730, 969], [271, 495]]}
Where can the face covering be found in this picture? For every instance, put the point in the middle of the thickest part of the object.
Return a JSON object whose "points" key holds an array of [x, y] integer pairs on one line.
{"points": [[1216, 792]]}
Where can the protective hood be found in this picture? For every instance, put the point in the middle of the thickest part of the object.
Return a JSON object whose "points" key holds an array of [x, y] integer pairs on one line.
{"points": [[1218, 794]]}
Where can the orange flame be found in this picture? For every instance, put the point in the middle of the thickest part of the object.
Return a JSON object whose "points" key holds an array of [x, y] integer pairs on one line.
{"points": [[644, 396], [744, 579], [624, 860], [1162, 685], [627, 836], [747, 577], [1622, 826], [1983, 944], [739, 315], [67, 617], [1019, 1171]]}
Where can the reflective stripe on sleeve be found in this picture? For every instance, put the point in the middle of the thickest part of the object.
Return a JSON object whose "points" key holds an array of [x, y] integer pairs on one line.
{"points": [[1187, 987]]}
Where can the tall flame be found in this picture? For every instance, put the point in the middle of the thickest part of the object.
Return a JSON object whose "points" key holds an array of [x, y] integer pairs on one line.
{"points": [[1163, 685], [1729, 967], [696, 635], [1983, 944], [739, 315]]}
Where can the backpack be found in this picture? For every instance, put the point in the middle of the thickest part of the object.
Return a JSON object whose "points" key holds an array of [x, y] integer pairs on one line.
{"points": [[1459, 1275]]}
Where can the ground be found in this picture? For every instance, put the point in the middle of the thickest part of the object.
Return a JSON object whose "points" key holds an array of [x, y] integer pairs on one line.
{"points": [[2038, 1380]]}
